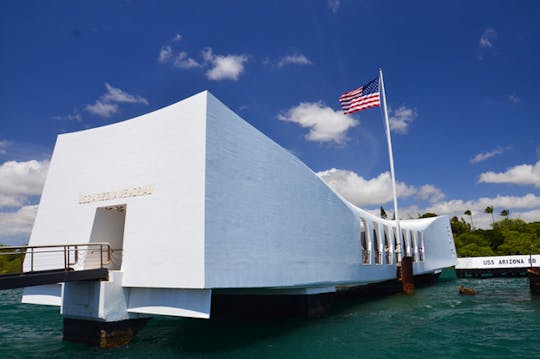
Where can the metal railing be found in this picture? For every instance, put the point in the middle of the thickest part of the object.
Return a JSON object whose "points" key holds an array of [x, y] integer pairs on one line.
{"points": [[60, 256]]}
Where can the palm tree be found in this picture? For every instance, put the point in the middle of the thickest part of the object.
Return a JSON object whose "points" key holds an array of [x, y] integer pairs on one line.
{"points": [[468, 213], [505, 213], [489, 209]]}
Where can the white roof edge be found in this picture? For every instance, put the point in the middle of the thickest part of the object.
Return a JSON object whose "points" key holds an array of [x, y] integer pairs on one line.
{"points": [[136, 118]]}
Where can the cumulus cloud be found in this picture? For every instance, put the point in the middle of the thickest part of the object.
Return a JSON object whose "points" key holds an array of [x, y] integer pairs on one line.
{"points": [[15, 227], [430, 193], [183, 61], [296, 59], [485, 155], [528, 175], [374, 191], [401, 118], [488, 38], [20, 180], [218, 67], [224, 67], [325, 124], [527, 216], [102, 109], [179, 59], [107, 104], [524, 207]]}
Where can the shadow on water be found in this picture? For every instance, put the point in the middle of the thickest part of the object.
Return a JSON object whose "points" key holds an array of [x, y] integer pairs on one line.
{"points": [[227, 334], [199, 336]]}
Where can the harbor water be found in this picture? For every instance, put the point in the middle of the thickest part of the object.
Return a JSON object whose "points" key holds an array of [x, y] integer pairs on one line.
{"points": [[501, 321]]}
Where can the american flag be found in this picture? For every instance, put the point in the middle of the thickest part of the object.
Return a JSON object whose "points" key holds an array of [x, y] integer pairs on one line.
{"points": [[363, 97]]}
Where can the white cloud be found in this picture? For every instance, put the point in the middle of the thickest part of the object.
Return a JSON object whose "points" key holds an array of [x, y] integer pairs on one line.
{"points": [[430, 193], [20, 180], [520, 175], [220, 67], [15, 227], [102, 109], [107, 104], [228, 67], [401, 118], [165, 54], [485, 155], [527, 216], [366, 192], [184, 62], [114, 94], [487, 42], [74, 116], [296, 59], [325, 124], [334, 5], [451, 208], [488, 37]]}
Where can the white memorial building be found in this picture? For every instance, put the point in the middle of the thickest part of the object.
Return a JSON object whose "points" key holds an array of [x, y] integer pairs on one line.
{"points": [[197, 202]]}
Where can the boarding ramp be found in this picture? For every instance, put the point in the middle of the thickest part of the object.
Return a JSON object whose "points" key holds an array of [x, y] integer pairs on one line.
{"points": [[25, 266]]}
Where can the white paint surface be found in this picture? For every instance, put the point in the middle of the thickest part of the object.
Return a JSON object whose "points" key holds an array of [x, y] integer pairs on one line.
{"points": [[49, 294], [516, 261], [164, 232], [225, 208]]}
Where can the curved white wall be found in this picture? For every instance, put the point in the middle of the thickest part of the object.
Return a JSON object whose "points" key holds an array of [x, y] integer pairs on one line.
{"points": [[270, 221]]}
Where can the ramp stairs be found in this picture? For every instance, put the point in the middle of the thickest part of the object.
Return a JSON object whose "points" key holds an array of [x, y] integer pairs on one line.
{"points": [[50, 264]]}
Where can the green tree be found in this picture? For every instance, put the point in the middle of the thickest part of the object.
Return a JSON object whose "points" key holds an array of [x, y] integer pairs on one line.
{"points": [[468, 213], [506, 236], [428, 215], [505, 213], [489, 210], [471, 244], [10, 263], [383, 213], [459, 226]]}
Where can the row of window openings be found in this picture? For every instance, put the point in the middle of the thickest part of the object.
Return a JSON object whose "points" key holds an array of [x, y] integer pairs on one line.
{"points": [[387, 255]]}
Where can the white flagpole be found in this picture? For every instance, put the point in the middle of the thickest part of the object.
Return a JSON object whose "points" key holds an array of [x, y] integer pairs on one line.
{"points": [[389, 141]]}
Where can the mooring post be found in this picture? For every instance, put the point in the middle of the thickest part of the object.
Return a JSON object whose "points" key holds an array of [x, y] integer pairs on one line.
{"points": [[407, 278]]}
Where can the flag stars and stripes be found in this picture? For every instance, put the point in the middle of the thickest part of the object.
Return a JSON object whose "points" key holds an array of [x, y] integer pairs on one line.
{"points": [[366, 96]]}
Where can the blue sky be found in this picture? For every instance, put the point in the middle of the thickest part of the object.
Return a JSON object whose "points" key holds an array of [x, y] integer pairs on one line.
{"points": [[461, 80]]}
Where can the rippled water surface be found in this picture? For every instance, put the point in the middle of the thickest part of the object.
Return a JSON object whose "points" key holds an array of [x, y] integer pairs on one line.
{"points": [[501, 320]]}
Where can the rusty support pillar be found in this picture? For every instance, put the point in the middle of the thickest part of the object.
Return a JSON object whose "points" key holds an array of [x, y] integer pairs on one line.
{"points": [[407, 278]]}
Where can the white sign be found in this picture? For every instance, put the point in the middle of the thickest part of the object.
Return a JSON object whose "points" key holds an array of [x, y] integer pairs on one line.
{"points": [[516, 261], [124, 193]]}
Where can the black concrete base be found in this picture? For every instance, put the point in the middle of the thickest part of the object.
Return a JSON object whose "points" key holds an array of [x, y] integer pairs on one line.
{"points": [[102, 334], [28, 279], [493, 272], [270, 306], [304, 306]]}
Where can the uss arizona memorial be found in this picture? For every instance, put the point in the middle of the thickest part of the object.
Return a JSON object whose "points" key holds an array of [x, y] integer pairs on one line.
{"points": [[195, 203]]}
